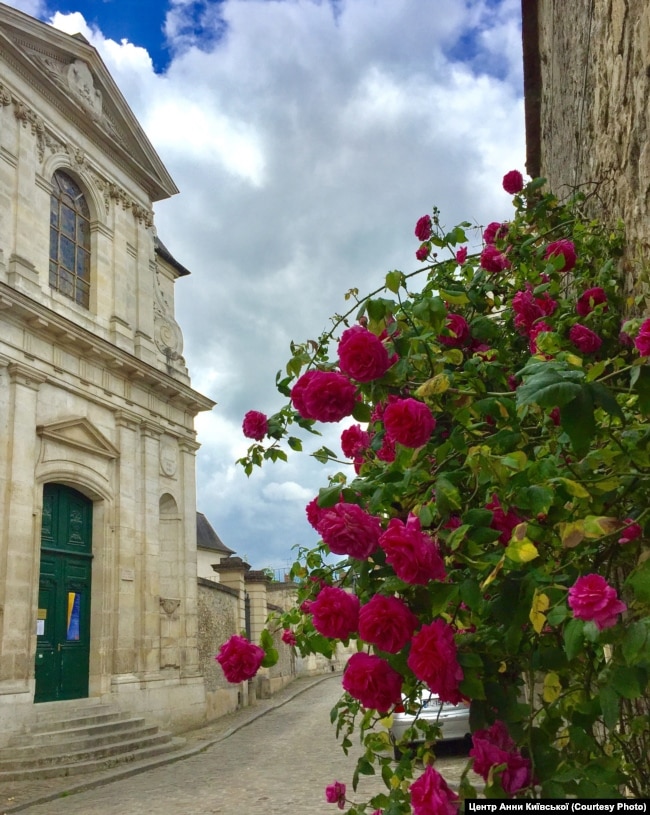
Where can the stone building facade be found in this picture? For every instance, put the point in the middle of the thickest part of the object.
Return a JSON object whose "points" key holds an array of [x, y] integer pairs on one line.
{"points": [[98, 574], [587, 85]]}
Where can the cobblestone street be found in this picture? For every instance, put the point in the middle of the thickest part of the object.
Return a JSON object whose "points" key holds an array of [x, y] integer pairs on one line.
{"points": [[279, 763]]}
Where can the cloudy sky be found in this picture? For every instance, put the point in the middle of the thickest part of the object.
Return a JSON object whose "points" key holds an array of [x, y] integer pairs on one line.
{"points": [[306, 137]]}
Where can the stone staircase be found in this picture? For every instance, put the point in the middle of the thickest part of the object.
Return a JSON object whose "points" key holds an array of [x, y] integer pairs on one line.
{"points": [[70, 739]]}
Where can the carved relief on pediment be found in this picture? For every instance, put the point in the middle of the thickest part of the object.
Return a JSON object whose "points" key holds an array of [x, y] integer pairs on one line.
{"points": [[82, 84]]}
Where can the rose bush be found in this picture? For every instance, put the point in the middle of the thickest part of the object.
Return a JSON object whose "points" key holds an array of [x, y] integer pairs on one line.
{"points": [[504, 459]]}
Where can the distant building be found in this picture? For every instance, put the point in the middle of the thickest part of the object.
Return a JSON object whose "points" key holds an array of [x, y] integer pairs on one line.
{"points": [[210, 549], [98, 524]]}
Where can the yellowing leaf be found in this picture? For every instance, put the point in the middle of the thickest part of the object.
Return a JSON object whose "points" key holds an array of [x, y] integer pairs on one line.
{"points": [[454, 356], [522, 551], [538, 611], [387, 722], [493, 574], [573, 359], [433, 387], [502, 667], [573, 488], [571, 533], [552, 687], [597, 526]]}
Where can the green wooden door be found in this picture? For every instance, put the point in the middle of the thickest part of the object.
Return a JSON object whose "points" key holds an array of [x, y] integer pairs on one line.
{"points": [[63, 632]]}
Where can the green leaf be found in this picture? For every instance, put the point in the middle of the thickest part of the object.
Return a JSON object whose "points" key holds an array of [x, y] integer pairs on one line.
{"points": [[639, 581], [635, 643], [361, 412], [578, 422], [573, 638], [456, 297], [550, 388], [447, 496], [627, 681], [394, 280], [609, 704], [294, 443], [641, 384]]}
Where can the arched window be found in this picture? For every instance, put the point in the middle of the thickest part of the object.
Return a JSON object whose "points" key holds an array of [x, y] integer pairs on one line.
{"points": [[69, 240]]}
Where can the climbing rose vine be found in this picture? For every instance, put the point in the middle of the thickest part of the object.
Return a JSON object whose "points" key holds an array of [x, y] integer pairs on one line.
{"points": [[485, 535]]}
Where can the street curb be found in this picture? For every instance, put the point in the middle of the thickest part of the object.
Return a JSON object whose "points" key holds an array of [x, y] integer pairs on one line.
{"points": [[129, 770]]}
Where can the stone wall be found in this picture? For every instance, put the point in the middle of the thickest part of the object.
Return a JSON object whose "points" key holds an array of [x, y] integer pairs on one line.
{"points": [[587, 84]]}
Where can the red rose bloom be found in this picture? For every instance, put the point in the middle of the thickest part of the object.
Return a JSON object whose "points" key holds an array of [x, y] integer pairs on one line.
{"points": [[631, 532], [325, 396], [255, 425], [372, 681], [335, 613], [362, 355], [565, 248], [494, 231], [349, 530], [387, 623], [354, 441], [430, 795], [584, 339], [589, 299], [423, 252], [413, 555], [423, 228], [458, 331], [335, 794], [642, 340], [528, 308], [314, 512], [288, 637], [432, 659], [513, 182], [493, 747], [504, 522], [592, 598], [492, 260], [461, 255], [409, 422], [239, 658]]}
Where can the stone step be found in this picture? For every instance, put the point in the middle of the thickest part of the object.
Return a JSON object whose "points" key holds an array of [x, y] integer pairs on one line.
{"points": [[72, 740], [91, 766]]}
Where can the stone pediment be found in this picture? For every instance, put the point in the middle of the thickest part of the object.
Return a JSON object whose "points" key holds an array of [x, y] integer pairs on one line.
{"points": [[81, 85], [81, 434]]}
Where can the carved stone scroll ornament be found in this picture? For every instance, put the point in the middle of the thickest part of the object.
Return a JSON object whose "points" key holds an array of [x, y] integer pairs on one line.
{"points": [[169, 605]]}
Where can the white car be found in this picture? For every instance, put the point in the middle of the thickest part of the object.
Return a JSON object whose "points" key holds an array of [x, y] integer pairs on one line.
{"points": [[452, 719]]}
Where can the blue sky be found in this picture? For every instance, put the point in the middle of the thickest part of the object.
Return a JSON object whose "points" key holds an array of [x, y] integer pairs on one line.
{"points": [[306, 138]]}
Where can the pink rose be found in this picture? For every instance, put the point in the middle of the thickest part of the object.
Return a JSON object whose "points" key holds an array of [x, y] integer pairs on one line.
{"points": [[562, 247], [458, 331], [528, 308], [387, 450], [539, 328], [494, 231], [592, 598], [349, 530], [492, 260], [354, 441], [325, 396], [413, 555], [362, 355], [255, 425], [288, 637], [504, 522], [430, 795], [387, 623], [584, 339], [335, 794], [461, 255], [409, 422], [432, 659], [630, 532], [493, 747], [372, 681], [513, 182], [589, 299], [239, 658], [314, 512], [642, 340], [423, 228], [335, 613], [423, 252]]}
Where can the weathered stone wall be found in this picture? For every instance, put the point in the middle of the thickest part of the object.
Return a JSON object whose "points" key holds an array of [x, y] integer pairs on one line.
{"points": [[594, 116], [218, 619]]}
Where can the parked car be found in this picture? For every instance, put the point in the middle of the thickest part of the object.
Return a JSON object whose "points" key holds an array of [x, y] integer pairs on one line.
{"points": [[453, 720]]}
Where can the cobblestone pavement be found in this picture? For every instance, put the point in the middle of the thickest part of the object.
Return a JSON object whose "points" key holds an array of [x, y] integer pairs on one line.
{"points": [[276, 760]]}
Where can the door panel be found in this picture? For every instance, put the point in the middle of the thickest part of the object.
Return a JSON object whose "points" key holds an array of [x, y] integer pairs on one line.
{"points": [[63, 641]]}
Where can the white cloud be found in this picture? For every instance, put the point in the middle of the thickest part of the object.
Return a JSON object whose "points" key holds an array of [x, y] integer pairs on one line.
{"points": [[306, 139]]}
